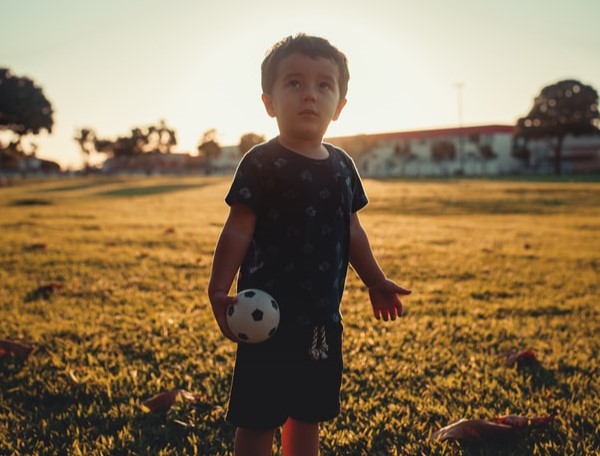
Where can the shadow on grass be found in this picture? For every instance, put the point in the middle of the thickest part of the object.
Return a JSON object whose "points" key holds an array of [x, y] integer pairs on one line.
{"points": [[43, 292], [89, 184], [10, 366], [520, 443], [496, 448], [159, 431], [149, 190], [31, 202], [538, 375]]}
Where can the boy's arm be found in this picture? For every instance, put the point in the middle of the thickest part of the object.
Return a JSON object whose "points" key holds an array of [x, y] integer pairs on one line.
{"points": [[229, 254], [383, 292]]}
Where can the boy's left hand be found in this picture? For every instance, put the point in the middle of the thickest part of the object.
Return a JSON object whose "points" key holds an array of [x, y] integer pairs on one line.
{"points": [[220, 301], [385, 300]]}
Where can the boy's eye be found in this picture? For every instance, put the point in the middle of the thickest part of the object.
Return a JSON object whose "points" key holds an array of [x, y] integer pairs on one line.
{"points": [[326, 85], [294, 83]]}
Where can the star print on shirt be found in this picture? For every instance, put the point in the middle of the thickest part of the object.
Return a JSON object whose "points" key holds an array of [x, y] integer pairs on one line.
{"points": [[299, 251]]}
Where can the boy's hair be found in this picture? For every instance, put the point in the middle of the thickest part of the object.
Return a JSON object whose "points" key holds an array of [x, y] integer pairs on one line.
{"points": [[311, 46]]}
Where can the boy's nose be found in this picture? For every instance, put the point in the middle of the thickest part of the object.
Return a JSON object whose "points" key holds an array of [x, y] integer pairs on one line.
{"points": [[309, 94]]}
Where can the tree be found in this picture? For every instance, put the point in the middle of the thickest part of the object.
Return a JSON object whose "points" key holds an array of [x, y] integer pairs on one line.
{"points": [[566, 107], [442, 151], [11, 154], [485, 152], [162, 138], [24, 109], [521, 151], [403, 153], [249, 140], [358, 147], [85, 138], [209, 148], [151, 139]]}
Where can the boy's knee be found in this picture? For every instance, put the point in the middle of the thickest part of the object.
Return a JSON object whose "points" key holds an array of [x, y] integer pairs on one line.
{"points": [[249, 442], [300, 438]]}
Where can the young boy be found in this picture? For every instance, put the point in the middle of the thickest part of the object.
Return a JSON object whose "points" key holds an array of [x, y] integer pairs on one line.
{"points": [[292, 229]]}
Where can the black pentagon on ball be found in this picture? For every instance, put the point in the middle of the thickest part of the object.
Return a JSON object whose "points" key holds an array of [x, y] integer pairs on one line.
{"points": [[274, 304], [243, 336], [230, 310], [249, 294], [272, 331], [257, 315]]}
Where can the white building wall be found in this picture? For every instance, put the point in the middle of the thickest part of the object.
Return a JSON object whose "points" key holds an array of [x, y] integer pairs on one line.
{"points": [[383, 162], [227, 161], [579, 154]]}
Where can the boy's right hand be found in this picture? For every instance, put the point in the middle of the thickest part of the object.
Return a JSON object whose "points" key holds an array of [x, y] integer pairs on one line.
{"points": [[220, 301]]}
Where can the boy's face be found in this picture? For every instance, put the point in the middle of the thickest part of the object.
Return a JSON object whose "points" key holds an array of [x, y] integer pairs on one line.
{"points": [[305, 96]]}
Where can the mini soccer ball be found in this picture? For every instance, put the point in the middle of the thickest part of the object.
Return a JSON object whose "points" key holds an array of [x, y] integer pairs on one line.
{"points": [[255, 316]]}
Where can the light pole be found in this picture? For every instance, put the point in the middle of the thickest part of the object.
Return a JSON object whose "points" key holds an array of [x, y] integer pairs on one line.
{"points": [[459, 87]]}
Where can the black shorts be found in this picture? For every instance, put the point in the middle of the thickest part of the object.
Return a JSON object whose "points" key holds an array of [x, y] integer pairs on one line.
{"points": [[278, 379]]}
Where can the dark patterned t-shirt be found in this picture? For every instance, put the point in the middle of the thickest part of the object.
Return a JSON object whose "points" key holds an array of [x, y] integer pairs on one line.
{"points": [[300, 249]]}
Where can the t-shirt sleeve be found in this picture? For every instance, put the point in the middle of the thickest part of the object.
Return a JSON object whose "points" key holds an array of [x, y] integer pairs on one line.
{"points": [[246, 186], [359, 196]]}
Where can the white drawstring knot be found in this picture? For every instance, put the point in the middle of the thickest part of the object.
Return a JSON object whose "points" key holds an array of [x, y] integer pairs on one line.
{"points": [[317, 352]]}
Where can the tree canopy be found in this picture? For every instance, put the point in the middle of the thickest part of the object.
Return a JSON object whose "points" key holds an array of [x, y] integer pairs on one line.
{"points": [[442, 151], [209, 148], [566, 107], [249, 140], [357, 146], [24, 108], [154, 138]]}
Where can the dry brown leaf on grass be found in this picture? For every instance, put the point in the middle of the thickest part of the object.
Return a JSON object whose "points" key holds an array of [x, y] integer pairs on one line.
{"points": [[517, 421], [36, 246], [14, 348], [162, 402], [519, 357], [495, 429], [465, 429], [48, 289]]}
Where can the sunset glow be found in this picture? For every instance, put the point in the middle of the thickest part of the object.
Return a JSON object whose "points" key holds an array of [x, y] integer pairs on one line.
{"points": [[114, 65]]}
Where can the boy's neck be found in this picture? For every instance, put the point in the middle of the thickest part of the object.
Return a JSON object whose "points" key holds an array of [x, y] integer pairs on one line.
{"points": [[309, 149]]}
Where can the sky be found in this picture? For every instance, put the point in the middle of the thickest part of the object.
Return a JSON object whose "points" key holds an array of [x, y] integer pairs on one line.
{"points": [[117, 64]]}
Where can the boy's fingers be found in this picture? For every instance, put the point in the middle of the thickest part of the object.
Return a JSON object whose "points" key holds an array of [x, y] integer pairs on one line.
{"points": [[399, 310], [377, 313], [403, 291], [225, 330], [390, 312]]}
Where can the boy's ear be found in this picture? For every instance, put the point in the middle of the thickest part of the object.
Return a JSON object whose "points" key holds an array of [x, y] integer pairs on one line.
{"points": [[268, 102], [338, 111]]}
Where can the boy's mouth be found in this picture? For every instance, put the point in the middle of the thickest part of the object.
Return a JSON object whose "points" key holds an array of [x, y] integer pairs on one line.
{"points": [[308, 112]]}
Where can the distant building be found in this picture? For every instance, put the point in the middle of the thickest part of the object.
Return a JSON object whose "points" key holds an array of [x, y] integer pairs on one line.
{"points": [[227, 161], [473, 150], [580, 154], [152, 163], [470, 151], [156, 163], [28, 165]]}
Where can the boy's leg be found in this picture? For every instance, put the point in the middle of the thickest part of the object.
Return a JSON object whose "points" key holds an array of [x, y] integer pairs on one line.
{"points": [[300, 439], [253, 443]]}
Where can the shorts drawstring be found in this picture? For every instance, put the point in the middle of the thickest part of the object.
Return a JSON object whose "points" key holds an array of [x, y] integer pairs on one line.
{"points": [[318, 352]]}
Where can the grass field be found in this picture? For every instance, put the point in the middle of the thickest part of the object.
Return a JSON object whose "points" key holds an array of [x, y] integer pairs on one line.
{"points": [[492, 264]]}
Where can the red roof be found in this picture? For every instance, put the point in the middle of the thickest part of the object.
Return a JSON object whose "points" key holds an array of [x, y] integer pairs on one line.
{"points": [[435, 133]]}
